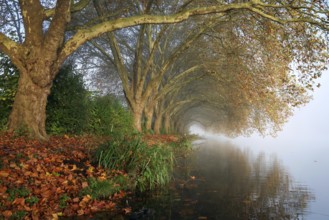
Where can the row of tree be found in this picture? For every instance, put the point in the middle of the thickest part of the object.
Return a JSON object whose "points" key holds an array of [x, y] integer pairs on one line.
{"points": [[232, 66]]}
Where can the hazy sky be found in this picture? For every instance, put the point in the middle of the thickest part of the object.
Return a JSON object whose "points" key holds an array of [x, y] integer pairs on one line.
{"points": [[302, 147], [310, 122]]}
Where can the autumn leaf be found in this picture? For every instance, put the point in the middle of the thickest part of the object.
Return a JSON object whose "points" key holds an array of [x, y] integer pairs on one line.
{"points": [[4, 173], [3, 189], [126, 210], [42, 171], [85, 184], [19, 201], [76, 199], [81, 212], [7, 214]]}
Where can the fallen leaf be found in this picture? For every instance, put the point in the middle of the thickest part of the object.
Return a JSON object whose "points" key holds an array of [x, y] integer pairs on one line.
{"points": [[126, 210], [81, 212], [4, 173], [85, 184], [19, 201], [7, 213], [55, 216], [76, 199], [3, 189]]}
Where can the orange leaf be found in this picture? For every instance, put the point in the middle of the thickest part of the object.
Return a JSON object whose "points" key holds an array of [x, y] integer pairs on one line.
{"points": [[3, 189], [76, 199], [84, 184], [86, 198], [46, 194], [126, 210], [81, 212], [7, 213], [4, 173], [19, 201], [55, 216]]}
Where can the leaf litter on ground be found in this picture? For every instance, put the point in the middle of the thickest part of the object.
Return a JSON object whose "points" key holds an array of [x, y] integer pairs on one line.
{"points": [[44, 180]]}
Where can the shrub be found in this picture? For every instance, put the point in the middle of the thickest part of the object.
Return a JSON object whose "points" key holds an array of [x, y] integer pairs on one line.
{"points": [[148, 166], [66, 108], [107, 116], [8, 86]]}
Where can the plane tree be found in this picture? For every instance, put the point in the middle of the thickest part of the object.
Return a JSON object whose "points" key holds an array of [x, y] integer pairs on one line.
{"points": [[46, 44], [253, 85]]}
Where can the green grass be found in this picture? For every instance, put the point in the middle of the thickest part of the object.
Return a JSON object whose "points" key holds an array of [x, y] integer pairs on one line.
{"points": [[102, 189], [148, 167], [18, 215], [17, 192], [63, 199], [32, 200]]}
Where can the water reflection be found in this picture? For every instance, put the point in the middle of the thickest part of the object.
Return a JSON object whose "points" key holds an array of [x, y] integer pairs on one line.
{"points": [[230, 184], [221, 181]]}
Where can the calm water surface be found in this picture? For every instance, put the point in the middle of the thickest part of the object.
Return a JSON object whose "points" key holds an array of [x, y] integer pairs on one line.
{"points": [[221, 180], [307, 162]]}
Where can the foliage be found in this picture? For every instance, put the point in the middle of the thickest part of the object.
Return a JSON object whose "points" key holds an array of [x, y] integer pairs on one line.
{"points": [[148, 166], [8, 84], [107, 116], [43, 179], [66, 109], [302, 25]]}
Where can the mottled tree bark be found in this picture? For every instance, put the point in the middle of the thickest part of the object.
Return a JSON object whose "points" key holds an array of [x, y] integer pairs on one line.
{"points": [[166, 123], [157, 124], [29, 109], [148, 112], [138, 115]]}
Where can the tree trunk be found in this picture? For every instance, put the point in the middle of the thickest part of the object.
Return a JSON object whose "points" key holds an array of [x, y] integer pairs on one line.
{"points": [[149, 118], [157, 123], [166, 124], [29, 109], [138, 114]]}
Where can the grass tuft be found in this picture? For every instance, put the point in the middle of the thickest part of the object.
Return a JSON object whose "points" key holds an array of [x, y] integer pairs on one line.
{"points": [[148, 166]]}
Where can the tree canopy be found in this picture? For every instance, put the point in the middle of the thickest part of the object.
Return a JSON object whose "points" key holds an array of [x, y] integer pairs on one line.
{"points": [[256, 59]]}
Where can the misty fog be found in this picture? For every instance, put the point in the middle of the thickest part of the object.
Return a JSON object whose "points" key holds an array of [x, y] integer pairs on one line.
{"points": [[302, 147]]}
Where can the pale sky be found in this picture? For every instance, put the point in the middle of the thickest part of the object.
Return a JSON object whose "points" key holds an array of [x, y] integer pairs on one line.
{"points": [[308, 123], [302, 147]]}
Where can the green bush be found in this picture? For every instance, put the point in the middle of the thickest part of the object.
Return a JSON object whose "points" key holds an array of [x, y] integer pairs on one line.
{"points": [[107, 116], [69, 108], [66, 107], [8, 86], [148, 166]]}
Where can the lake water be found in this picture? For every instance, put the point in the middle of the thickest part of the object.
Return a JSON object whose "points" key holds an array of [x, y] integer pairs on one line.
{"points": [[224, 180]]}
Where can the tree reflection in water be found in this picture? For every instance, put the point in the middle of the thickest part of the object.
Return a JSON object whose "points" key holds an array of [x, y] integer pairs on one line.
{"points": [[221, 181]]}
